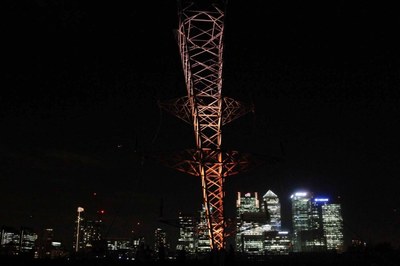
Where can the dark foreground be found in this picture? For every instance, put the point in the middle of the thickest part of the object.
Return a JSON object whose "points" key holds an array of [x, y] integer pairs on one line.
{"points": [[353, 259]]}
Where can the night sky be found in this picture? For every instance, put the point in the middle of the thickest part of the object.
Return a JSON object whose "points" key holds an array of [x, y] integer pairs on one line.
{"points": [[80, 121]]}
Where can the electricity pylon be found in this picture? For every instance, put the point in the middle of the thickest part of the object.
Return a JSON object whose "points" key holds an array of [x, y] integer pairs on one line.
{"points": [[200, 40]]}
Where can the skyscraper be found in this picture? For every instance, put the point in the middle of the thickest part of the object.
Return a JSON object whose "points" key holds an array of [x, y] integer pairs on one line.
{"points": [[202, 233], [87, 235], [276, 242], [186, 240], [27, 239], [251, 224], [91, 234], [333, 226], [160, 243], [304, 221], [272, 207], [317, 224], [17, 242], [10, 239]]}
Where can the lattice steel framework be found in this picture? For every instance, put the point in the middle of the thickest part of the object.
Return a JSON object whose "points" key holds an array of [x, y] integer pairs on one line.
{"points": [[200, 39]]}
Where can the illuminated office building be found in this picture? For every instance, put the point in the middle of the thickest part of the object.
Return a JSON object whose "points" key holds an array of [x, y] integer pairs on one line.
{"points": [[160, 242], [87, 235], [307, 230], [333, 226], [251, 224], [10, 239], [203, 234], [186, 240], [91, 233], [120, 248], [17, 242], [27, 240], [277, 242], [272, 207], [313, 239], [317, 224], [301, 205]]}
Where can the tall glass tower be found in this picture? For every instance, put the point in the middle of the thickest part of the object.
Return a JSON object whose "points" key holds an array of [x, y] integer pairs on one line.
{"points": [[251, 223], [317, 224], [203, 234], [301, 209], [272, 207], [186, 240], [333, 226], [160, 243]]}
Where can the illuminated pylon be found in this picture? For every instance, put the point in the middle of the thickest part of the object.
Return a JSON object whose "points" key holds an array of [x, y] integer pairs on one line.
{"points": [[200, 39]]}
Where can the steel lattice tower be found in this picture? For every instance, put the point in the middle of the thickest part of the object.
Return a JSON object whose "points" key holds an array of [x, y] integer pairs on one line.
{"points": [[200, 39]]}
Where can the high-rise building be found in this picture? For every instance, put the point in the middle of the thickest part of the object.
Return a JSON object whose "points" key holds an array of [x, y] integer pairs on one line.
{"points": [[27, 240], [317, 224], [17, 242], [91, 234], [272, 207], [10, 239], [301, 206], [120, 248], [333, 226], [307, 224], [87, 235], [203, 233], [277, 242], [251, 224], [186, 241], [160, 243], [313, 238], [45, 243]]}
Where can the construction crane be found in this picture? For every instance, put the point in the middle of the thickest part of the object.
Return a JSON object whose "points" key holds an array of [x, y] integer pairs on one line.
{"points": [[200, 35]]}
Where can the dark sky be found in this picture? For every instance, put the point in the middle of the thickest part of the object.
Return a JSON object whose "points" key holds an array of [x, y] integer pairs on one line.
{"points": [[79, 111]]}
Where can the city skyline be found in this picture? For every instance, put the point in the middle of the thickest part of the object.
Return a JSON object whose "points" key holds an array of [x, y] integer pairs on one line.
{"points": [[98, 224], [98, 218], [80, 118]]}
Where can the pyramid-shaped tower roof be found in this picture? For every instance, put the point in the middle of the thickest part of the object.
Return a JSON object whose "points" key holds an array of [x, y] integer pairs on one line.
{"points": [[270, 194]]}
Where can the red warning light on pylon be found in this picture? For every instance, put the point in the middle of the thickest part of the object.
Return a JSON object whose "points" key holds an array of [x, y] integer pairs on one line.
{"points": [[102, 211]]}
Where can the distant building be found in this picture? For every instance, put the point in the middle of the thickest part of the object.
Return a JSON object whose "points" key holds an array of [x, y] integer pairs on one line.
{"points": [[120, 248], [88, 234], [301, 211], [203, 233], [186, 241], [17, 242], [92, 235], [45, 243], [333, 226], [10, 239], [317, 224], [160, 243], [48, 247], [27, 240], [272, 207], [251, 224], [277, 242], [194, 235]]}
